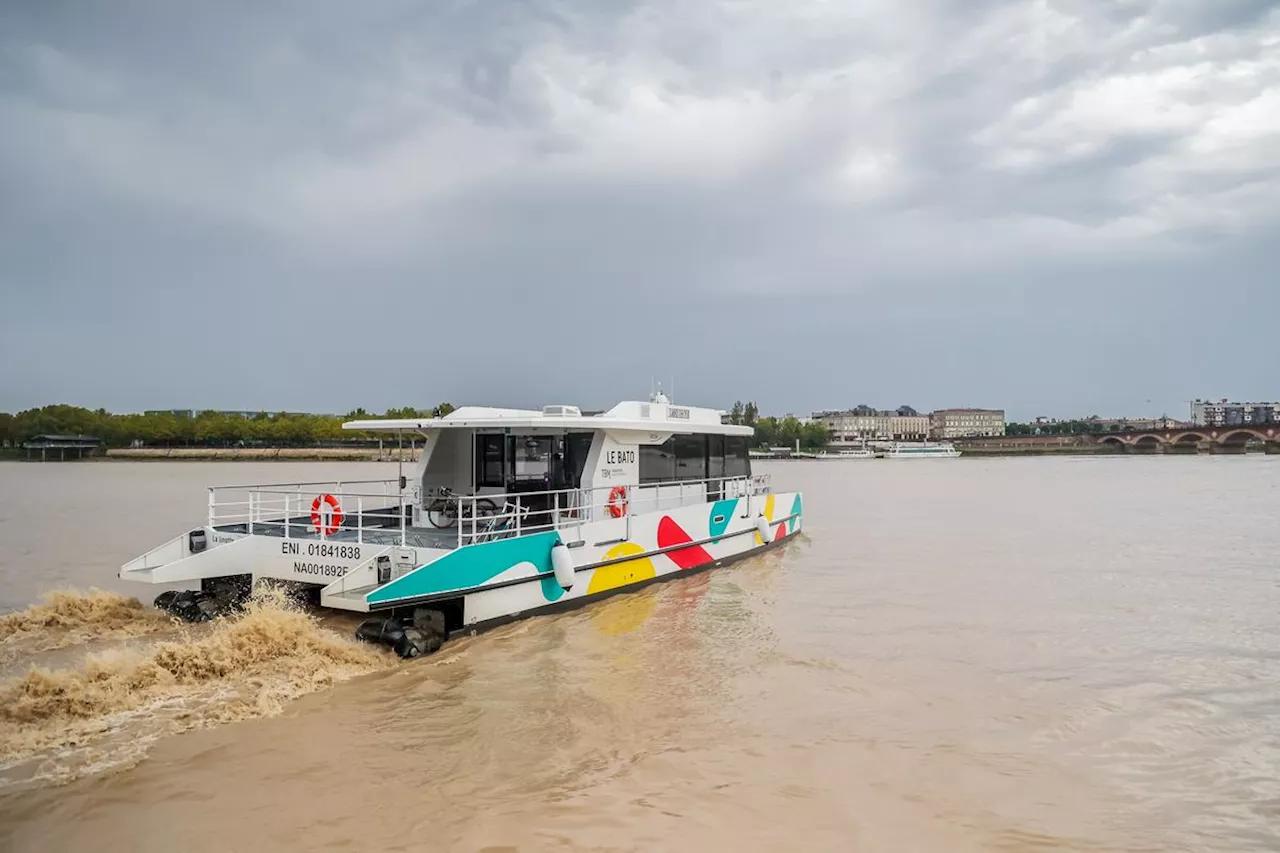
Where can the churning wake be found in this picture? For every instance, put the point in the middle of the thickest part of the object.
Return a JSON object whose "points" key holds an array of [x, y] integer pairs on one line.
{"points": [[237, 668], [68, 617]]}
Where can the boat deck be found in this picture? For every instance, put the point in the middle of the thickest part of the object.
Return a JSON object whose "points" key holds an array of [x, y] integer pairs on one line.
{"points": [[382, 527], [417, 537], [301, 510]]}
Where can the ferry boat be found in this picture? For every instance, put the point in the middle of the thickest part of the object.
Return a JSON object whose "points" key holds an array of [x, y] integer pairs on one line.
{"points": [[860, 452], [925, 450], [507, 513]]}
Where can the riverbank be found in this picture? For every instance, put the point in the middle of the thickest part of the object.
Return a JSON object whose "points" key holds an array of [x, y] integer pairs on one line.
{"points": [[1016, 448], [262, 454], [969, 449]]}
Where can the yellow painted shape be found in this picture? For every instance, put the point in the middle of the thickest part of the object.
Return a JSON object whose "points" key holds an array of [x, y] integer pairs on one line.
{"points": [[623, 572], [768, 515]]}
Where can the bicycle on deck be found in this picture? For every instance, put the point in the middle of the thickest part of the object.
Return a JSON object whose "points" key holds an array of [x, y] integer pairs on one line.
{"points": [[446, 509]]}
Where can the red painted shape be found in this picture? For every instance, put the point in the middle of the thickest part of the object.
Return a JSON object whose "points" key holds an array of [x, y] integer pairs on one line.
{"points": [[669, 534], [782, 531]]}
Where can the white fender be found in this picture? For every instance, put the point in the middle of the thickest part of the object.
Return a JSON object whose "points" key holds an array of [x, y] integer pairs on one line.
{"points": [[562, 562], [764, 528]]}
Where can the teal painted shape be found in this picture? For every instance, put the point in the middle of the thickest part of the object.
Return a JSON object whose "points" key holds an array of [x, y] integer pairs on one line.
{"points": [[551, 589], [797, 509], [470, 566], [725, 510]]}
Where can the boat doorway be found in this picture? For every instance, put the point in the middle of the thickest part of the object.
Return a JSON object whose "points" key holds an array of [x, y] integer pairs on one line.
{"points": [[532, 466], [715, 467]]}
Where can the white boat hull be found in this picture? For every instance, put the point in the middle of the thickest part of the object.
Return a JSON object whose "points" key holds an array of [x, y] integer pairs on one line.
{"points": [[492, 580]]}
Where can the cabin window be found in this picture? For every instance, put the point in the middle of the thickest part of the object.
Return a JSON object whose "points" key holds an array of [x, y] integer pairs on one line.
{"points": [[532, 457], [737, 462], [691, 457], [658, 462], [489, 461]]}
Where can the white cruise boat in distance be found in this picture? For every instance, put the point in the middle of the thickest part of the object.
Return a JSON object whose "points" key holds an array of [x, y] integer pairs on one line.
{"points": [[507, 513], [924, 450], [862, 453], [859, 452]]}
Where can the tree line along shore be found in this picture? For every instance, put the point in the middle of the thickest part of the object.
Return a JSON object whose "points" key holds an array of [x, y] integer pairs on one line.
{"points": [[171, 431], [156, 434], [302, 436]]}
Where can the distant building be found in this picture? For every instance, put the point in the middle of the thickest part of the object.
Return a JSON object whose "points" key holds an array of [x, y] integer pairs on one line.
{"points": [[1224, 414], [864, 423], [966, 423], [1097, 425], [1132, 424]]}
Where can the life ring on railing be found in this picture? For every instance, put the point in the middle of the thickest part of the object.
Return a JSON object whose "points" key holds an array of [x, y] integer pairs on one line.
{"points": [[617, 505], [335, 515]]}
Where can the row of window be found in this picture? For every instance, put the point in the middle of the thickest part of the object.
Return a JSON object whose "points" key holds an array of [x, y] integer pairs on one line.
{"points": [[694, 457], [504, 460]]}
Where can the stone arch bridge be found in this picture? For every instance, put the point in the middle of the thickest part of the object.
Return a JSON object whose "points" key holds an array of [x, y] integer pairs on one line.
{"points": [[1230, 439]]}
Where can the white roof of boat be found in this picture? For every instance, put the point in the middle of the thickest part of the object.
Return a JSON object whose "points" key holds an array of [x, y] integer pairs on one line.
{"points": [[628, 415]]}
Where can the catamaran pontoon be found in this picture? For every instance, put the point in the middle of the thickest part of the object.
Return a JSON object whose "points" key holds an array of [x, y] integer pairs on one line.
{"points": [[507, 513]]}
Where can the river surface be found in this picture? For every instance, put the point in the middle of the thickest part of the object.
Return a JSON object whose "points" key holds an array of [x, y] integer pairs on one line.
{"points": [[957, 655]]}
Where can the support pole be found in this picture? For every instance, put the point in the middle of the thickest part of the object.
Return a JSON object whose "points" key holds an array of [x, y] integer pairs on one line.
{"points": [[400, 481]]}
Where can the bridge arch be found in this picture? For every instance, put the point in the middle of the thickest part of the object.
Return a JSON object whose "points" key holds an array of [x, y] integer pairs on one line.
{"points": [[1186, 442], [1147, 443], [1241, 435]]}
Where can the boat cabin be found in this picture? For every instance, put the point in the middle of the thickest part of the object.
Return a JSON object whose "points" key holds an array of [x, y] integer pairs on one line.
{"points": [[555, 463]]}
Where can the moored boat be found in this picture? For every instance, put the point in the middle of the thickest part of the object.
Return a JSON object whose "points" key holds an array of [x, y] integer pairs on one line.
{"points": [[859, 452], [924, 450], [506, 514]]}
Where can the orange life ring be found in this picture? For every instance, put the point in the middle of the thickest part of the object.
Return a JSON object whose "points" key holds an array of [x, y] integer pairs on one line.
{"points": [[335, 515], [617, 505]]}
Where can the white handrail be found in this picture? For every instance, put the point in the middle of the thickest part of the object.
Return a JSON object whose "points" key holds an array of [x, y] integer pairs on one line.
{"points": [[284, 509], [308, 483]]}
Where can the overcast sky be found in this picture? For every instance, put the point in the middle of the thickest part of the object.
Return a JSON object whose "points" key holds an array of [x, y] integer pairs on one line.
{"points": [[1056, 206]]}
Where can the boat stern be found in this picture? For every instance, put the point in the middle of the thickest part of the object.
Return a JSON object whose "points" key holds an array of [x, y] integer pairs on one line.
{"points": [[149, 567]]}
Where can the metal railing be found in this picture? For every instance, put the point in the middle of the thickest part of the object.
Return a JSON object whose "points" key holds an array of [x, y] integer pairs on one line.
{"points": [[319, 509], [483, 517], [327, 511]]}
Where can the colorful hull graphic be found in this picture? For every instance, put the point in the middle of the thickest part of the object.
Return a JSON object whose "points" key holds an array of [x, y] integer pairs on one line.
{"points": [[514, 576]]}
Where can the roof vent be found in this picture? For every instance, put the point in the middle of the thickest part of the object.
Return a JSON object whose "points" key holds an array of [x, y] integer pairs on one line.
{"points": [[561, 412]]}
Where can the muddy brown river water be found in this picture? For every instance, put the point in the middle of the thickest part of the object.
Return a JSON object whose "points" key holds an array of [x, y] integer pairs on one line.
{"points": [[957, 655]]}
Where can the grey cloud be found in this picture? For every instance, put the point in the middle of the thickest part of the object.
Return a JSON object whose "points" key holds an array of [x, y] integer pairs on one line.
{"points": [[1191, 18], [321, 205]]}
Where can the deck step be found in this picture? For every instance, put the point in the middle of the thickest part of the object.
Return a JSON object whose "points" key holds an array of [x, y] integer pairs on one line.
{"points": [[348, 599]]}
